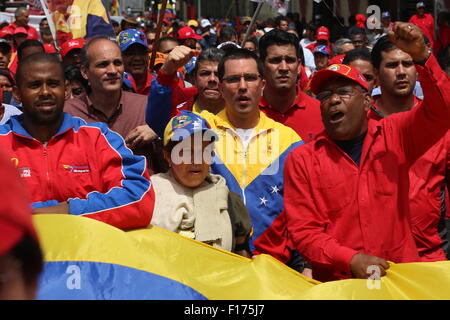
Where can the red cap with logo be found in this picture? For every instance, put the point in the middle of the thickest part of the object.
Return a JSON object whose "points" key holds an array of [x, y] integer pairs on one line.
{"points": [[15, 210], [72, 44], [49, 48], [187, 33], [323, 33], [337, 71]]}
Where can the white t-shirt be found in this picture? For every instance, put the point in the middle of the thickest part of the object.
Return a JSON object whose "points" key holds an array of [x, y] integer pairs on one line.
{"points": [[305, 42], [245, 135], [9, 112]]}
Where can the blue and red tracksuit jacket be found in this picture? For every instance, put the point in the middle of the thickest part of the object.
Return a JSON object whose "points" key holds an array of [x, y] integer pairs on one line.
{"points": [[86, 165]]}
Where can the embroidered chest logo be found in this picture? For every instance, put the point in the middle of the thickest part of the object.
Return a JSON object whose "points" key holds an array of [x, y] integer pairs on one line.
{"points": [[77, 169], [24, 172]]}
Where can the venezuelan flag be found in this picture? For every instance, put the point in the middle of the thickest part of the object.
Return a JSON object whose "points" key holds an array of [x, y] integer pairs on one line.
{"points": [[87, 259], [81, 19]]}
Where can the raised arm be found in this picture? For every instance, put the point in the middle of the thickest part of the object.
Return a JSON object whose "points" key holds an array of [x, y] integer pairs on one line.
{"points": [[165, 93]]}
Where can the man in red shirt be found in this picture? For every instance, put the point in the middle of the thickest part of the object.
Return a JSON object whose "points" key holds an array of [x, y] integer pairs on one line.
{"points": [[282, 100], [397, 76], [424, 21], [323, 38], [347, 193], [22, 19]]}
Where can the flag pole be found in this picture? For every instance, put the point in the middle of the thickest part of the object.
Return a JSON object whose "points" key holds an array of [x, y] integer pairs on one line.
{"points": [[252, 23], [51, 23], [158, 33]]}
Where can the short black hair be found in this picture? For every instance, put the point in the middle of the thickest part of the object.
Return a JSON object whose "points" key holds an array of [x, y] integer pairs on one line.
{"points": [[26, 44], [279, 19], [357, 31], [73, 73], [357, 54], [114, 23], [210, 54], [8, 74], [280, 38], [161, 40], [227, 33], [238, 53], [382, 45], [24, 65]]}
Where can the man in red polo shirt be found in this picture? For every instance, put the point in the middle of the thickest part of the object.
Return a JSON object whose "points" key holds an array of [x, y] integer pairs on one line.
{"points": [[134, 48], [282, 100], [323, 38], [347, 193], [429, 175], [22, 19], [424, 21]]}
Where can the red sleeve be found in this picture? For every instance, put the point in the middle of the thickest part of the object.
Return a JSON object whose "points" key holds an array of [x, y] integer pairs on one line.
{"points": [[307, 224]]}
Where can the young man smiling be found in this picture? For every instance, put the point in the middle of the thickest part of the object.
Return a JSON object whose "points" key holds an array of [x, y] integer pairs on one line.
{"points": [[347, 193], [71, 167]]}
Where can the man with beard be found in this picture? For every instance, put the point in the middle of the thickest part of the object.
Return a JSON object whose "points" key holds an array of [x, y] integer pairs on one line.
{"points": [[69, 166], [429, 175], [347, 193]]}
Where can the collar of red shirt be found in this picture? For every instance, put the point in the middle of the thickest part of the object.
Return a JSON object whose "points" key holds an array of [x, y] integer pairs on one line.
{"points": [[148, 82], [298, 103]]}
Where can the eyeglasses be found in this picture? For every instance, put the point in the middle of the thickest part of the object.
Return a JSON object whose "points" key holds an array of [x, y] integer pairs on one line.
{"points": [[343, 92], [249, 78]]}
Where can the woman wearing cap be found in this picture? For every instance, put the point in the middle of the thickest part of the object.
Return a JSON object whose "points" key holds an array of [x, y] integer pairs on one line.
{"points": [[191, 201]]}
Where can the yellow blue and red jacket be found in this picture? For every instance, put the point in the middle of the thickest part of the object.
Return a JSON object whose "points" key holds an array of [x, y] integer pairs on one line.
{"points": [[256, 174]]}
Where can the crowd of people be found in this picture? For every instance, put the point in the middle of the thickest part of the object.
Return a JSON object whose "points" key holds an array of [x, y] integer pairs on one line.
{"points": [[332, 156]]}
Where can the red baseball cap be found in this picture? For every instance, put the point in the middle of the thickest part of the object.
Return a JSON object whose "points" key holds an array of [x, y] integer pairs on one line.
{"points": [[187, 33], [337, 71], [6, 32], [337, 59], [15, 210], [49, 48], [21, 30], [69, 45], [323, 33]]}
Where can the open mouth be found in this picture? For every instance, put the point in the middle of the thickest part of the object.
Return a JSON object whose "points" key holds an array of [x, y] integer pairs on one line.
{"points": [[336, 117]]}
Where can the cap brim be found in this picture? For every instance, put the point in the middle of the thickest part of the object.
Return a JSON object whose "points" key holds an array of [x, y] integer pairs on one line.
{"points": [[212, 134], [325, 75], [126, 46]]}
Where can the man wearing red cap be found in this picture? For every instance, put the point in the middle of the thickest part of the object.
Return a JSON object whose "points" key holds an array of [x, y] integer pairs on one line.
{"points": [[22, 19], [71, 52], [323, 38], [347, 193], [188, 37], [20, 254]]}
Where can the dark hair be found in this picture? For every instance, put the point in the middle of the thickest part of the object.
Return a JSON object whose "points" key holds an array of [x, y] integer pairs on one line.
{"points": [[279, 19], [161, 40], [236, 54], [23, 65], [8, 74], [26, 44], [382, 45], [357, 31], [227, 33], [114, 23], [280, 38], [73, 73], [29, 254], [4, 24], [357, 54], [210, 54], [84, 51]]}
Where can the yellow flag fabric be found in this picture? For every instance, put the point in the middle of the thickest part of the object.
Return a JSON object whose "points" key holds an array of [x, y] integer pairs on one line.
{"points": [[87, 259]]}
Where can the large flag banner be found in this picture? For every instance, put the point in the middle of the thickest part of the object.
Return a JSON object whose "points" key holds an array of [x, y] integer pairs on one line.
{"points": [[78, 18], [88, 259]]}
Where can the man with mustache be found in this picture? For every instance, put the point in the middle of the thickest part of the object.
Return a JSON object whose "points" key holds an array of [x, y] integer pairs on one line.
{"points": [[69, 166], [105, 101], [429, 175], [347, 193]]}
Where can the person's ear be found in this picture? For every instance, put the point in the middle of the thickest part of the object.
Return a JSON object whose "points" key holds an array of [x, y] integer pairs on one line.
{"points": [[67, 89], [367, 101], [84, 71], [16, 94]]}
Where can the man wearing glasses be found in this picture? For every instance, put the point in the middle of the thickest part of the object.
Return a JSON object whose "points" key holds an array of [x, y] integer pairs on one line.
{"points": [[347, 193], [251, 149]]}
